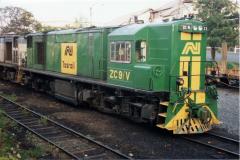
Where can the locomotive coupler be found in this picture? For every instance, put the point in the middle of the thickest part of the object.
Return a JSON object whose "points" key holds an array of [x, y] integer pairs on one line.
{"points": [[199, 111]]}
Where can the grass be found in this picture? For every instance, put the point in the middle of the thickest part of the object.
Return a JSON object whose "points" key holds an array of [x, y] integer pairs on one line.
{"points": [[10, 147], [43, 120], [11, 97], [33, 152], [25, 112], [6, 140]]}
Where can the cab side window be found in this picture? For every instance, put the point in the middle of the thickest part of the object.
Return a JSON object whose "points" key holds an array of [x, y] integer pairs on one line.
{"points": [[120, 51], [141, 51]]}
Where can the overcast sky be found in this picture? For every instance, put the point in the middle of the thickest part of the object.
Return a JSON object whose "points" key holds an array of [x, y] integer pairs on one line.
{"points": [[59, 12]]}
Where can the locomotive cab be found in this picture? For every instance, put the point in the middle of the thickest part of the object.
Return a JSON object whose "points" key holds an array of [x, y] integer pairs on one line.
{"points": [[143, 58]]}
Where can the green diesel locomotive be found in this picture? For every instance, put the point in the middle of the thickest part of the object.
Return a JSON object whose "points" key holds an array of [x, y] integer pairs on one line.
{"points": [[152, 73]]}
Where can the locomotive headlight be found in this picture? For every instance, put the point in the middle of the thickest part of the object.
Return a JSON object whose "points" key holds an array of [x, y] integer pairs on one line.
{"points": [[186, 27], [180, 81]]}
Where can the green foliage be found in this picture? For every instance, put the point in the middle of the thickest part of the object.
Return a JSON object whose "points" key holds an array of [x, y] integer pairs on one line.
{"points": [[232, 65], [78, 23], [222, 19], [17, 20], [47, 28]]}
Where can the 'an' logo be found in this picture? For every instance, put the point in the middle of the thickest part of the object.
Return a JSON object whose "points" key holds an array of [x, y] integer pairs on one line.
{"points": [[69, 51], [192, 47]]}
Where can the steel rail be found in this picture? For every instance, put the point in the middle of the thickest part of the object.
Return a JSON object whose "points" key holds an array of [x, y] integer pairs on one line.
{"points": [[117, 152], [223, 137], [192, 139]]}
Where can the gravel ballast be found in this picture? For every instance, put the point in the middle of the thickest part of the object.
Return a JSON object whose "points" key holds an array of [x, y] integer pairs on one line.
{"points": [[228, 109]]}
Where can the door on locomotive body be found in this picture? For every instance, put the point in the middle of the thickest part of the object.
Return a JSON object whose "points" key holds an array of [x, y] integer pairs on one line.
{"points": [[29, 54], [39, 51], [90, 54], [8, 43], [15, 55], [85, 57], [93, 54], [2, 49], [97, 54], [142, 69]]}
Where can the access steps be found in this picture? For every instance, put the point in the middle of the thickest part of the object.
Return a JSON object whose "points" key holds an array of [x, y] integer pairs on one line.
{"points": [[162, 115]]}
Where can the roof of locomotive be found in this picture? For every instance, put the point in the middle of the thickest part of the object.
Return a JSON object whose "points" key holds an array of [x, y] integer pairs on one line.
{"points": [[130, 30], [67, 31], [71, 31], [9, 35], [118, 30]]}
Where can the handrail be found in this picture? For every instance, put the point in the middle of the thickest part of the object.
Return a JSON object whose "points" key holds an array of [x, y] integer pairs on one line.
{"points": [[191, 75]]}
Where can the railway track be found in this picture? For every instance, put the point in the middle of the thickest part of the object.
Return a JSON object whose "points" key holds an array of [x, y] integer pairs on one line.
{"points": [[75, 144], [213, 140]]}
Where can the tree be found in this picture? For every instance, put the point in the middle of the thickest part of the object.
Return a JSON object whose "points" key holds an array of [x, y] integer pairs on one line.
{"points": [[48, 28], [222, 19], [17, 20], [78, 23]]}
